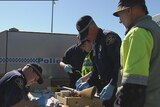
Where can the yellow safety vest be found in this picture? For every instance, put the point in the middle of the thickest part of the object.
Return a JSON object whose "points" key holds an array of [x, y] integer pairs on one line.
{"points": [[87, 65]]}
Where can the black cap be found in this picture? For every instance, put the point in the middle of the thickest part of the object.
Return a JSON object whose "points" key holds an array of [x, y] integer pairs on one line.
{"points": [[82, 26], [125, 4], [38, 71]]}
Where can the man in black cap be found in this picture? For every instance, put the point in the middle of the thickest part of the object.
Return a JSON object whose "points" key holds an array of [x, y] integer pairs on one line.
{"points": [[13, 85], [140, 56], [106, 58], [72, 63]]}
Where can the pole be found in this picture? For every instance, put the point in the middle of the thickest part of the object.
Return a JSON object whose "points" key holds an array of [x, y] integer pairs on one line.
{"points": [[53, 2]]}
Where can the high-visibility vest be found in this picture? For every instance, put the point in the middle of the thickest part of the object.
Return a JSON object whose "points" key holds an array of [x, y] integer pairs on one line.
{"points": [[87, 65], [143, 66]]}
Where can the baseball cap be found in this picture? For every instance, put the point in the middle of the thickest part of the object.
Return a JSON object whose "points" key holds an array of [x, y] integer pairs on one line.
{"points": [[125, 4], [38, 70], [82, 26]]}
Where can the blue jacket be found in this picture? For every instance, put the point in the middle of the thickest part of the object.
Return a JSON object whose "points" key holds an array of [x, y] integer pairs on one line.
{"points": [[12, 88], [106, 59]]}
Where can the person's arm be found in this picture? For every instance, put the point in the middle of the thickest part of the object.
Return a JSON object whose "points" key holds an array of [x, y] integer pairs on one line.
{"points": [[28, 103], [32, 103], [65, 62], [113, 43], [21, 103], [24, 103], [131, 92], [66, 58], [114, 52]]}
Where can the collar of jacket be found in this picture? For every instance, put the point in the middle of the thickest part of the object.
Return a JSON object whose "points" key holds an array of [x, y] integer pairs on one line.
{"points": [[136, 21], [98, 38], [23, 76]]}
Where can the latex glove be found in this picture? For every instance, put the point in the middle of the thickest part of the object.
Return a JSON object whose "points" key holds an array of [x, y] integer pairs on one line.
{"points": [[82, 86], [107, 92], [78, 82], [68, 68], [53, 102], [42, 101]]}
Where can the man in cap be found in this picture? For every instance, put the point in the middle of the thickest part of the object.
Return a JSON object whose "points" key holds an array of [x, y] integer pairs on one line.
{"points": [[72, 63], [106, 58], [13, 85], [140, 56]]}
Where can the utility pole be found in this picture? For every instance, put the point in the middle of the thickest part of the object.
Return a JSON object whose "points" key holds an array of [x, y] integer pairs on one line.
{"points": [[53, 3]]}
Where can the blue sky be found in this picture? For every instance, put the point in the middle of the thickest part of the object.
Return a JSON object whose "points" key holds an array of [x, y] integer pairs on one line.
{"points": [[35, 16]]}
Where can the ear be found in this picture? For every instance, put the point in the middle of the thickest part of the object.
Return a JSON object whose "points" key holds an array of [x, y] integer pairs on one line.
{"points": [[130, 11], [31, 70]]}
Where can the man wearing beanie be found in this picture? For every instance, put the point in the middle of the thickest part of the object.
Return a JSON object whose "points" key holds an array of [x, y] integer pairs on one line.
{"points": [[105, 58], [140, 53], [14, 85]]}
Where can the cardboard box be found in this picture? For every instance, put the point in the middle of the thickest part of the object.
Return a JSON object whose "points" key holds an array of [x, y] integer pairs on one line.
{"points": [[77, 101]]}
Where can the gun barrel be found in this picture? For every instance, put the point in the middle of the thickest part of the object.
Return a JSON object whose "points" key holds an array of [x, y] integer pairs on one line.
{"points": [[68, 88]]}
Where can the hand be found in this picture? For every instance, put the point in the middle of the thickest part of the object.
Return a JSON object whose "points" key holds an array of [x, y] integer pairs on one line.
{"points": [[82, 86], [42, 101], [78, 82], [107, 92], [68, 68], [53, 102]]}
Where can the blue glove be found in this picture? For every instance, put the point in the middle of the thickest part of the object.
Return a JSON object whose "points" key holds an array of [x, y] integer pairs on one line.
{"points": [[68, 68], [107, 92], [42, 101], [78, 82], [82, 86]]}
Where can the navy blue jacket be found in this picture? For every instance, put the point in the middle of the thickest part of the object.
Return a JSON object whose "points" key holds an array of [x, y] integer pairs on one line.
{"points": [[12, 88], [106, 59]]}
